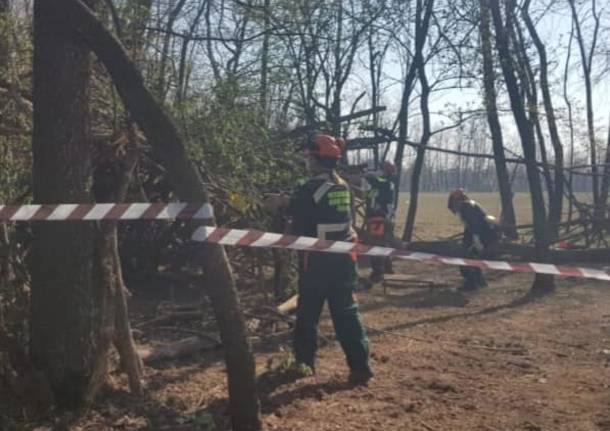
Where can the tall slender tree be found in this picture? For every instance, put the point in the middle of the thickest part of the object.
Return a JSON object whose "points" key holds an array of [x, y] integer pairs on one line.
{"points": [[543, 282], [491, 108]]}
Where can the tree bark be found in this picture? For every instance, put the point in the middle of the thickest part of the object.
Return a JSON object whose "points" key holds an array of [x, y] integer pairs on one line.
{"points": [[542, 283], [506, 196], [586, 59], [264, 85], [4, 48], [67, 298], [111, 182], [421, 152], [423, 13], [161, 82], [606, 179], [170, 150], [556, 203]]}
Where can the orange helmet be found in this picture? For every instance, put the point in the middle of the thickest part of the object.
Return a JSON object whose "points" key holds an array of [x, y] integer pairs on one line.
{"points": [[388, 168], [325, 146], [455, 197]]}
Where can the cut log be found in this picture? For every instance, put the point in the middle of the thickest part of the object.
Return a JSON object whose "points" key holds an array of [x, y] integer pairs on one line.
{"points": [[288, 306], [171, 318], [179, 349], [395, 280]]}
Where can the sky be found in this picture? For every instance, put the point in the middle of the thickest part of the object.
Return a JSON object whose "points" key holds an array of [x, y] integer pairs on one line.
{"points": [[554, 30]]}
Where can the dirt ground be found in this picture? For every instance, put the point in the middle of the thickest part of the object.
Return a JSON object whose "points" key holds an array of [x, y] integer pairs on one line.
{"points": [[493, 360]]}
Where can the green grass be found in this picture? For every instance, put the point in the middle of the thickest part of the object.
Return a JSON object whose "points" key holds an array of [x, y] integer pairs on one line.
{"points": [[435, 221]]}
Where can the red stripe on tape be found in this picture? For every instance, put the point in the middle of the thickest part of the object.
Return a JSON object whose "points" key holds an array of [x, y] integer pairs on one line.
{"points": [[362, 248], [43, 212], [153, 211], [285, 241], [250, 237], [521, 267], [8, 211], [322, 244], [116, 211], [188, 211], [217, 234], [569, 271], [475, 263], [80, 211]]}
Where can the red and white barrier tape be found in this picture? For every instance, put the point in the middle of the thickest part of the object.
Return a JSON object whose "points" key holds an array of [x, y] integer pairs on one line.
{"points": [[90, 212], [254, 238]]}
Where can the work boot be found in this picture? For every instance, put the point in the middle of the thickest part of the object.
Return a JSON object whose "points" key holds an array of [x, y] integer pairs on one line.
{"points": [[360, 377]]}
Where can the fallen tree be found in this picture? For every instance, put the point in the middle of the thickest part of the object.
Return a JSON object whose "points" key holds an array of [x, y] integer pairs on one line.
{"points": [[515, 252]]}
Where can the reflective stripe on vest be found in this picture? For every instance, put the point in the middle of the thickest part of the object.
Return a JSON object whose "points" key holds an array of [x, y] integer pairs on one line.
{"points": [[321, 191], [324, 228]]}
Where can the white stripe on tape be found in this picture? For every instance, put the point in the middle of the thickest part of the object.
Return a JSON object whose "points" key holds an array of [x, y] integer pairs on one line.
{"points": [[98, 212], [416, 255], [171, 211], [496, 264], [135, 211], [303, 242], [233, 236], [545, 268], [595, 273], [380, 251], [62, 212], [267, 239], [25, 212], [341, 247], [453, 261]]}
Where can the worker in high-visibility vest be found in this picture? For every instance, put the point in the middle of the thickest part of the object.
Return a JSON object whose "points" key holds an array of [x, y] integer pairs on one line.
{"points": [[481, 236], [379, 196], [321, 207]]}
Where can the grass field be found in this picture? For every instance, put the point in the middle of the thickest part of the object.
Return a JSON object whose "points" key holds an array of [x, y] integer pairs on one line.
{"points": [[435, 221]]}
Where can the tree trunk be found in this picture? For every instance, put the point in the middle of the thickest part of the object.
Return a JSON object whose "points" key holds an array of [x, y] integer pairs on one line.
{"points": [[335, 109], [123, 337], [556, 202], [169, 148], [421, 152], [173, 15], [111, 182], [586, 69], [422, 22], [542, 283], [67, 297], [4, 37], [264, 86], [606, 179], [508, 218], [528, 84], [566, 98]]}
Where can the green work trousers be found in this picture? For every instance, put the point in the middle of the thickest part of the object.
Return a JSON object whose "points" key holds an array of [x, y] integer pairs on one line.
{"points": [[324, 276]]}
